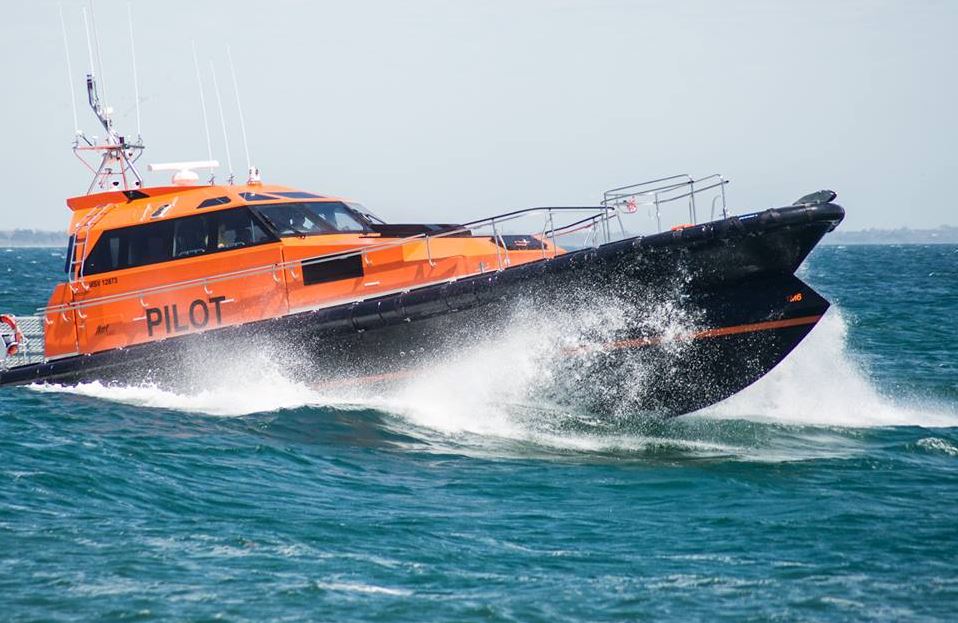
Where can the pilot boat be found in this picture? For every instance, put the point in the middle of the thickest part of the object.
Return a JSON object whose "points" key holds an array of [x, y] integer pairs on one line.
{"points": [[161, 280]]}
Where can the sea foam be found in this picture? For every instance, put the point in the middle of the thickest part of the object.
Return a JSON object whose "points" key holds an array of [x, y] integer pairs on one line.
{"points": [[494, 387]]}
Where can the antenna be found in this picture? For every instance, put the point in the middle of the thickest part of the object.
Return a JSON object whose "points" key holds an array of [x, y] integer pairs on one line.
{"points": [[66, 48], [102, 113], [89, 44], [99, 60], [249, 163], [226, 138], [136, 82], [206, 122]]}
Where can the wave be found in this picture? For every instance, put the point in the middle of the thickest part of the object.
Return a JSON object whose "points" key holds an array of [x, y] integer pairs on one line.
{"points": [[821, 384], [256, 387], [937, 445]]}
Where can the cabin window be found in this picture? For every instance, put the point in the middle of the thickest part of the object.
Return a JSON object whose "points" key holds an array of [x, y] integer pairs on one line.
{"points": [[237, 228], [214, 201], [311, 218], [178, 238], [69, 259], [251, 196], [299, 194], [365, 212], [145, 244], [161, 211], [191, 236]]}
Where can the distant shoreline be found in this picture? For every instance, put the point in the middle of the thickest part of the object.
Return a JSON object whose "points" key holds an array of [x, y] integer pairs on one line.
{"points": [[946, 234], [18, 238], [4, 245], [940, 235]]}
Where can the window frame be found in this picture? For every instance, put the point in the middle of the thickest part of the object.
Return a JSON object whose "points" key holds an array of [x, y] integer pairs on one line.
{"points": [[171, 223], [358, 217]]}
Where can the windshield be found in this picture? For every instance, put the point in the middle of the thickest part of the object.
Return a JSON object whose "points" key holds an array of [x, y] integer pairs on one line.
{"points": [[311, 218], [366, 212]]}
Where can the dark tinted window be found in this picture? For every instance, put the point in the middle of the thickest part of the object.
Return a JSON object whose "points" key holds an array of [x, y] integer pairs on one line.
{"points": [[177, 238], [191, 236], [130, 246], [308, 219], [149, 244], [256, 197], [160, 211], [69, 259], [236, 228], [299, 194], [215, 201], [105, 255]]}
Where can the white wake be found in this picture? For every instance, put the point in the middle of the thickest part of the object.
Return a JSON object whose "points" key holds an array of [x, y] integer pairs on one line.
{"points": [[820, 383], [493, 388]]}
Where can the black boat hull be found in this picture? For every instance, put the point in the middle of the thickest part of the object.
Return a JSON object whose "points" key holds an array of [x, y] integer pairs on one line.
{"points": [[738, 311]]}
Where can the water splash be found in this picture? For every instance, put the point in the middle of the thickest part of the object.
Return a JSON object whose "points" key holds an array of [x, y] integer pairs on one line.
{"points": [[521, 381], [510, 389], [821, 384], [936, 445], [253, 386]]}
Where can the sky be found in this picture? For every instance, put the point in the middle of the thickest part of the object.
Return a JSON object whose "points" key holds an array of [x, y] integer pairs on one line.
{"points": [[442, 111]]}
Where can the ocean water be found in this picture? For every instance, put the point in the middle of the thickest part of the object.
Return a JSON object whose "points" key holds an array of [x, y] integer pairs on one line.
{"points": [[828, 491]]}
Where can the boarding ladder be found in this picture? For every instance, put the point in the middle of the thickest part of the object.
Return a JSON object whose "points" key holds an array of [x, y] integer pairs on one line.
{"points": [[80, 237]]}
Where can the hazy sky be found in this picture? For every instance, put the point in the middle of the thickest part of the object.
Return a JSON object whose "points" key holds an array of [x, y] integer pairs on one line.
{"points": [[445, 111]]}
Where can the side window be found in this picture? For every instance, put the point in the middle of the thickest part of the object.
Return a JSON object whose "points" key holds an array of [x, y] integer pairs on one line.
{"points": [[112, 252], [177, 238], [260, 234], [69, 257], [236, 228], [191, 236], [338, 216], [105, 255], [346, 221], [149, 244]]}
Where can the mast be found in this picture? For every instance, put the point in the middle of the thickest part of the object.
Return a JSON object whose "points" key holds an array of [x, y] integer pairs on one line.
{"points": [[118, 155], [112, 159]]}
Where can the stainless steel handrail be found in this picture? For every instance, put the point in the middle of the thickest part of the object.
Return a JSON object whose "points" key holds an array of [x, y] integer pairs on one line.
{"points": [[31, 347], [684, 176], [666, 190]]}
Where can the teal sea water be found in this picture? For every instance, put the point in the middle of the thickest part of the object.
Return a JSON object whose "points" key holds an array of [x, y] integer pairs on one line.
{"points": [[828, 491]]}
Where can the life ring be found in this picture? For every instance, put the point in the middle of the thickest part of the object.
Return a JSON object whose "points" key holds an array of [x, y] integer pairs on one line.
{"points": [[13, 347]]}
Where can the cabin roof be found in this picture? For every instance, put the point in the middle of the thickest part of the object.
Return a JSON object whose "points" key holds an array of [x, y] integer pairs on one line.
{"points": [[130, 207]]}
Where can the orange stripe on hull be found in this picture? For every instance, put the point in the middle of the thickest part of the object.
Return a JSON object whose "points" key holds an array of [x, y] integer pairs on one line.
{"points": [[719, 332], [618, 345]]}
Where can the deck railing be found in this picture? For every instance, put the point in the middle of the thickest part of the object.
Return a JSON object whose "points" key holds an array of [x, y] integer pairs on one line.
{"points": [[30, 349], [659, 192]]}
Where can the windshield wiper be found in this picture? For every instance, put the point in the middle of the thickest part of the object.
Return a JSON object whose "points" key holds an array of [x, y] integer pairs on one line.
{"points": [[282, 230], [298, 232]]}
